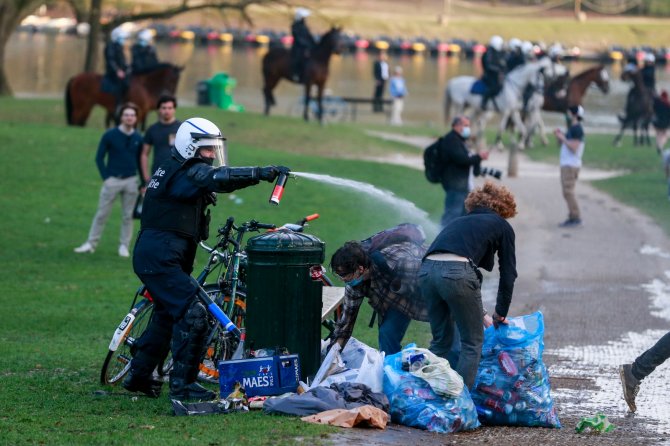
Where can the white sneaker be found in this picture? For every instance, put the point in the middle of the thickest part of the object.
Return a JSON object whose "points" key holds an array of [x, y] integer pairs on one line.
{"points": [[123, 251], [86, 247]]}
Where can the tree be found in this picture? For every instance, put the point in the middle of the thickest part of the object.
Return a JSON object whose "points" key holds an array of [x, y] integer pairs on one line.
{"points": [[12, 12]]}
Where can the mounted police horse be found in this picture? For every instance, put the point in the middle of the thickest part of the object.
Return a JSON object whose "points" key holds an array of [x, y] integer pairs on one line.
{"points": [[549, 100], [639, 110], [509, 102], [84, 91], [277, 65]]}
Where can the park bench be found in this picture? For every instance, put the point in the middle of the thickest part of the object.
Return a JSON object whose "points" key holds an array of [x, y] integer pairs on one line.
{"points": [[354, 102]]}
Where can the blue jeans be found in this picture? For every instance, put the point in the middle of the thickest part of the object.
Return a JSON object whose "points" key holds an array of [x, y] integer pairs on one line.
{"points": [[652, 358], [454, 206], [391, 331], [452, 291]]}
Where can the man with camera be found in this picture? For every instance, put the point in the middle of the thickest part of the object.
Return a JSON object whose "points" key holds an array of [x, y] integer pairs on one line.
{"points": [[457, 161]]}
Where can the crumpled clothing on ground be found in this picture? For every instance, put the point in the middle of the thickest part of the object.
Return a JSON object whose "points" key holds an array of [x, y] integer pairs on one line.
{"points": [[365, 416]]}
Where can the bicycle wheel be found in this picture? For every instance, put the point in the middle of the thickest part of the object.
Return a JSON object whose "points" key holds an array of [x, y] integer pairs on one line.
{"points": [[117, 362], [221, 343]]}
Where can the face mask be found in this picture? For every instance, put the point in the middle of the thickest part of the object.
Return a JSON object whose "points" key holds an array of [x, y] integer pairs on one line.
{"points": [[355, 282], [465, 133]]}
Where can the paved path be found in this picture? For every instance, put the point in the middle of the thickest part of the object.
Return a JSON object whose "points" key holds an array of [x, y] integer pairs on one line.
{"points": [[604, 289]]}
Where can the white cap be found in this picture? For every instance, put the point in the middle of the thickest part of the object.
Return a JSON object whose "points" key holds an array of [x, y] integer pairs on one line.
{"points": [[301, 13]]}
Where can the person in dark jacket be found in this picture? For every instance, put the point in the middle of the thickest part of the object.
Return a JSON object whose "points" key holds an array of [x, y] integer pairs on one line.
{"points": [[303, 43], [661, 120], [450, 279], [116, 67], [493, 63], [143, 53], [648, 72], [174, 220], [457, 164], [516, 57]]}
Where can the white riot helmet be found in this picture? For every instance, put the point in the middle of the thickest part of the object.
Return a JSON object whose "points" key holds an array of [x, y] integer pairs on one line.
{"points": [[649, 57], [514, 44], [119, 35], [527, 47], [196, 133], [301, 13], [556, 50], [496, 43], [145, 36]]}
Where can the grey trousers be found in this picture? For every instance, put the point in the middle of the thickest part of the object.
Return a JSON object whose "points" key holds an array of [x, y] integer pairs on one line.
{"points": [[111, 188], [452, 291]]}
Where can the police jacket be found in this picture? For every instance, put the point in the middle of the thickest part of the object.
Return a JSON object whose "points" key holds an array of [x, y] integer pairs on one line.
{"points": [[515, 59], [144, 58], [302, 37], [180, 191], [649, 77], [493, 61], [457, 161], [115, 59]]}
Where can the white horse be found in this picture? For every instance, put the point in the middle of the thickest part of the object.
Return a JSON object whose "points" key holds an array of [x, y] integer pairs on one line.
{"points": [[509, 102]]}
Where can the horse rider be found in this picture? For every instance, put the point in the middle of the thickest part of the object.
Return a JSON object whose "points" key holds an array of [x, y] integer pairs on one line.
{"points": [[556, 75], [648, 72], [528, 50], [143, 53], [303, 42], [116, 67], [493, 63], [516, 57]]}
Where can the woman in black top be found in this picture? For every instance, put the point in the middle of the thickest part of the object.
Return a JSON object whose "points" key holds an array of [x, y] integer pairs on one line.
{"points": [[451, 282]]}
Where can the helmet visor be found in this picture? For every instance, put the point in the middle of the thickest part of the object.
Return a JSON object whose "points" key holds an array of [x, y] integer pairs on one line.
{"points": [[214, 142]]}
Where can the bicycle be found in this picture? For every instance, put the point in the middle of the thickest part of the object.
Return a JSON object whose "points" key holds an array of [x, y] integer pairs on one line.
{"points": [[225, 299]]}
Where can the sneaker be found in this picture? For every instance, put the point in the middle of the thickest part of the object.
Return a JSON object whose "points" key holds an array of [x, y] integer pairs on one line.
{"points": [[570, 223], [86, 247], [147, 386], [123, 251], [192, 392], [630, 384]]}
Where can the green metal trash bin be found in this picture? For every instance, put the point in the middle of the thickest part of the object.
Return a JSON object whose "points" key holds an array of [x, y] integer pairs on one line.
{"points": [[283, 302], [221, 87]]}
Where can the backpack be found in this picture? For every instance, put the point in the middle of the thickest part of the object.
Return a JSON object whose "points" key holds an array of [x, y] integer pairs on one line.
{"points": [[433, 162]]}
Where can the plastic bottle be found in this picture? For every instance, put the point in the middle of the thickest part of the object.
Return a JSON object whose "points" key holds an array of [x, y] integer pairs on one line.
{"points": [[507, 364], [239, 351], [501, 394], [498, 406]]}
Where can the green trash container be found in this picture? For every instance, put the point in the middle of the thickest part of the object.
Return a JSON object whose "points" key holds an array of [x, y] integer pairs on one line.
{"points": [[221, 88], [283, 302]]}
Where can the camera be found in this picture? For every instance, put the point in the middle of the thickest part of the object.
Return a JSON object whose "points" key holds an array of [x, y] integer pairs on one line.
{"points": [[483, 171]]}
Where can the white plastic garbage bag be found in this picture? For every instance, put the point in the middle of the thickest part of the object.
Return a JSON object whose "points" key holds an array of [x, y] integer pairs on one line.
{"points": [[437, 372]]}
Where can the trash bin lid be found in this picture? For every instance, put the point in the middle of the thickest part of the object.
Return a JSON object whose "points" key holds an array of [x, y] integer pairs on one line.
{"points": [[284, 241]]}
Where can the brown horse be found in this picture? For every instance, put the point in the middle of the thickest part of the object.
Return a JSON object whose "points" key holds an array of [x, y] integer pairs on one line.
{"points": [[574, 93], [576, 89], [639, 109], [277, 65], [83, 92]]}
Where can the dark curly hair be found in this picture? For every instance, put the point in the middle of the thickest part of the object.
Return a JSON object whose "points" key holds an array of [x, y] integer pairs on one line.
{"points": [[497, 198], [348, 258]]}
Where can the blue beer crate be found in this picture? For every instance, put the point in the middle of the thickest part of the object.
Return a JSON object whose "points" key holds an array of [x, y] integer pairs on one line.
{"points": [[272, 375]]}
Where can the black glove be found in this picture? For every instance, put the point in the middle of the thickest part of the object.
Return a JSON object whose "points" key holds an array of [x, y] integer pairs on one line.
{"points": [[269, 173]]}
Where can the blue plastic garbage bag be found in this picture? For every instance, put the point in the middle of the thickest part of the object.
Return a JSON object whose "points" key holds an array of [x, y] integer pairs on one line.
{"points": [[415, 404], [512, 386]]}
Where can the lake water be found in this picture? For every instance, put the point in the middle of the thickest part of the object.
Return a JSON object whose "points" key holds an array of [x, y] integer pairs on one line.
{"points": [[39, 65]]}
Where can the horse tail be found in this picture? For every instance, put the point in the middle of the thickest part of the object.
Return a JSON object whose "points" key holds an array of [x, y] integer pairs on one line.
{"points": [[68, 102]]}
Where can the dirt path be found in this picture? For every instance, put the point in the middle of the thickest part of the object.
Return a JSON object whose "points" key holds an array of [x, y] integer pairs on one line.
{"points": [[604, 289]]}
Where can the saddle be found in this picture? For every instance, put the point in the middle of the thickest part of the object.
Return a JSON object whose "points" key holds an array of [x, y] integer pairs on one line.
{"points": [[478, 87]]}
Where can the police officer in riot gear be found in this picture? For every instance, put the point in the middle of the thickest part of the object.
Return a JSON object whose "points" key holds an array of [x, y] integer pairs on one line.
{"points": [[303, 43], [143, 53], [174, 220], [116, 67], [493, 63]]}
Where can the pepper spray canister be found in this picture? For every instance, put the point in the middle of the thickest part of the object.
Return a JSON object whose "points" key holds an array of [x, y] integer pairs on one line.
{"points": [[278, 191]]}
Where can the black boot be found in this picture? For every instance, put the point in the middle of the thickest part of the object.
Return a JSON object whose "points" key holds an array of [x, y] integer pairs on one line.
{"points": [[147, 386], [485, 100], [181, 391]]}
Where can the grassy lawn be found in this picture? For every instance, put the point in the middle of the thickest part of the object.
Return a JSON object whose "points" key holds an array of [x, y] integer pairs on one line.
{"points": [[60, 309]]}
